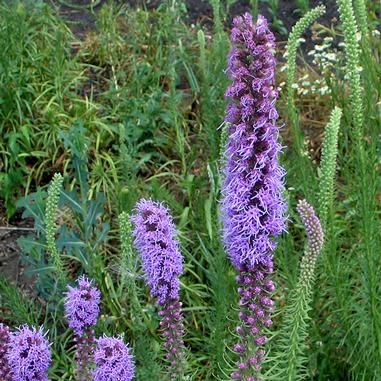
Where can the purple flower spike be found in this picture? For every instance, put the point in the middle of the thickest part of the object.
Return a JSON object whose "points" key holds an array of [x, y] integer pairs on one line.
{"points": [[82, 311], [5, 338], [113, 360], [155, 241], [160, 252], [82, 305], [29, 355], [253, 208]]}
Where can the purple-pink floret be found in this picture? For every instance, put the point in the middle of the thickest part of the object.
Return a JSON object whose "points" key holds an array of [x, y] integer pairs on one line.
{"points": [[29, 355], [252, 207], [159, 249], [82, 305], [113, 360], [5, 338]]}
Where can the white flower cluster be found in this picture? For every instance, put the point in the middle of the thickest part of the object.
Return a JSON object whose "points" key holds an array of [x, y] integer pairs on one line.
{"points": [[325, 58]]}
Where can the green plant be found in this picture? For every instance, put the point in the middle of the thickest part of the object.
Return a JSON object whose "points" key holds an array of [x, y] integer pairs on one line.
{"points": [[68, 225], [362, 16], [364, 338], [303, 6], [276, 22], [292, 354], [16, 307], [51, 227], [293, 44], [327, 169], [36, 77]]}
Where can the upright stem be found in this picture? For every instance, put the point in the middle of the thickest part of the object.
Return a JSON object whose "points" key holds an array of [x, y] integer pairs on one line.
{"points": [[84, 353]]}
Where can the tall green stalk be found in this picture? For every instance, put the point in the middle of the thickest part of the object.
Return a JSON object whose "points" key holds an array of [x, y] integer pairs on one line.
{"points": [[362, 16], [327, 170], [293, 44], [292, 351], [367, 337], [51, 226], [128, 265]]}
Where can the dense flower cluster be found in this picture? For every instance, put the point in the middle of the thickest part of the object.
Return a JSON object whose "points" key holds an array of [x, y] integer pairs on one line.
{"points": [[155, 240], [113, 360], [163, 263], [29, 355], [5, 338], [82, 305], [252, 205]]}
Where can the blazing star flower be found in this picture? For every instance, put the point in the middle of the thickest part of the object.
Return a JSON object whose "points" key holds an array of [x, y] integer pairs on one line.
{"points": [[82, 311], [29, 355], [5, 338], [252, 204], [160, 252], [155, 241], [82, 305], [113, 360]]}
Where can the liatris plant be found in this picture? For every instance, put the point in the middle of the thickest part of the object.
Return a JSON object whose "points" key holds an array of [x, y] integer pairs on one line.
{"points": [[155, 240], [29, 355], [328, 166], [5, 337], [113, 361], [291, 356], [252, 206], [82, 310], [51, 227]]}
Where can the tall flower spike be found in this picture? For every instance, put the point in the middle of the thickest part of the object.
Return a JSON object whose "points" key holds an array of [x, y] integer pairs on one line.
{"points": [[29, 355], [113, 361], [252, 206], [82, 310], [5, 338], [155, 241], [292, 342]]}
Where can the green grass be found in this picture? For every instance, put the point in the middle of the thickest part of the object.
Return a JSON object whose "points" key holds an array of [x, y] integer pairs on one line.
{"points": [[137, 109]]}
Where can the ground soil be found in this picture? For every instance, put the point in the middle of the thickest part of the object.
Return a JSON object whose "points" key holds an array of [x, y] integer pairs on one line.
{"points": [[10, 231], [198, 11], [81, 19]]}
